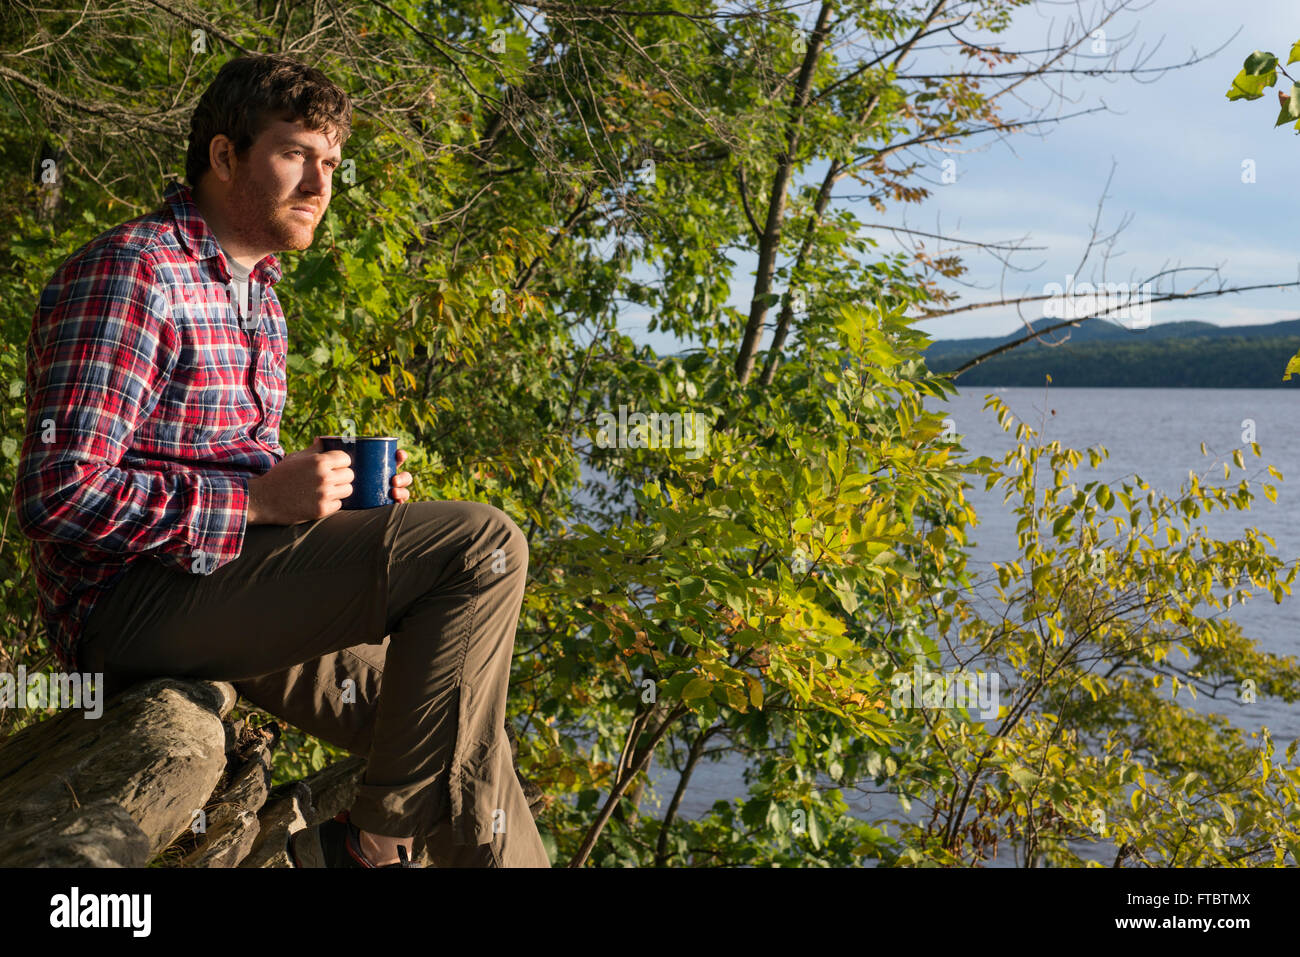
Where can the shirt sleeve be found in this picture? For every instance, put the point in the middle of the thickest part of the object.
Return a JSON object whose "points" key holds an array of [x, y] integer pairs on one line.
{"points": [[102, 349]]}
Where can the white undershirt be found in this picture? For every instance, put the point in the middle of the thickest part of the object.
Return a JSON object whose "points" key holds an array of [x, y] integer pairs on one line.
{"points": [[239, 273]]}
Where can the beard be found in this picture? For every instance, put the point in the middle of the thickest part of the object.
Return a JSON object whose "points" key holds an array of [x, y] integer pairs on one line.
{"points": [[266, 221]]}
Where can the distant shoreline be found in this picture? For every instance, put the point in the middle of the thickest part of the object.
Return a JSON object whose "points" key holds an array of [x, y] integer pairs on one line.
{"points": [[962, 384], [1099, 354]]}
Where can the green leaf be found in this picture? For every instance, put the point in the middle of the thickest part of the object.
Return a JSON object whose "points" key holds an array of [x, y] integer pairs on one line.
{"points": [[1295, 53], [778, 818], [815, 832], [1260, 71], [691, 588], [847, 596], [697, 688], [1228, 814], [873, 763], [1024, 777], [1260, 63], [754, 813], [1290, 107], [548, 842]]}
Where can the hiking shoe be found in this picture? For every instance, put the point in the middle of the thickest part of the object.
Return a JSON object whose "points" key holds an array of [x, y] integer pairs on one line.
{"points": [[334, 843]]}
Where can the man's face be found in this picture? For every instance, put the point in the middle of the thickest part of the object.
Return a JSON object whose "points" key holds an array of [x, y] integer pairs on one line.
{"points": [[281, 188]]}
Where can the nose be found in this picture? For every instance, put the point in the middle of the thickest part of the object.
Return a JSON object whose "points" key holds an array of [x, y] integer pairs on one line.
{"points": [[315, 179]]}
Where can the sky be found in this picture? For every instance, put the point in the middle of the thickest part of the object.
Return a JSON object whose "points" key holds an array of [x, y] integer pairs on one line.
{"points": [[1178, 146]]}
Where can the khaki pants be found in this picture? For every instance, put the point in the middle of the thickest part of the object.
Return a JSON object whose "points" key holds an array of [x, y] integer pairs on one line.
{"points": [[385, 631]]}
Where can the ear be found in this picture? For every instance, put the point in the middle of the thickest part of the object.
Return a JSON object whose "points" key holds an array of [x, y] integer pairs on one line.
{"points": [[221, 157]]}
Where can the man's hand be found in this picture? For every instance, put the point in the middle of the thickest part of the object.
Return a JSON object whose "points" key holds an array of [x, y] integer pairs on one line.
{"points": [[301, 487], [401, 479]]}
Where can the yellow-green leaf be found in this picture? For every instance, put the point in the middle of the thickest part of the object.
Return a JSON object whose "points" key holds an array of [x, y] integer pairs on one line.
{"points": [[697, 688]]}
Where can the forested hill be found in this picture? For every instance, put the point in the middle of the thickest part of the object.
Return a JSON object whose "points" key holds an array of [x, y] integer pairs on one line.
{"points": [[1102, 353]]}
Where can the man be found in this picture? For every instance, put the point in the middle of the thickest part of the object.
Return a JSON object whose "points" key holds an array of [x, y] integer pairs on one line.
{"points": [[173, 536]]}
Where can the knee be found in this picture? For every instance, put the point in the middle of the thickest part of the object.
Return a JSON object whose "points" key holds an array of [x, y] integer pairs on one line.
{"points": [[516, 546], [505, 541]]}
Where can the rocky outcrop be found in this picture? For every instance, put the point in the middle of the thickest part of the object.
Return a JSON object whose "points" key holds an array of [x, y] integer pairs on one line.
{"points": [[163, 778]]}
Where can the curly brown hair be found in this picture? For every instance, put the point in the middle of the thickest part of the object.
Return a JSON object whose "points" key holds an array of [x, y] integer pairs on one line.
{"points": [[249, 92]]}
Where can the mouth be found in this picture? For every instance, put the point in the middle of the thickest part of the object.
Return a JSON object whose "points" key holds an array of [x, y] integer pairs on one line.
{"points": [[307, 211]]}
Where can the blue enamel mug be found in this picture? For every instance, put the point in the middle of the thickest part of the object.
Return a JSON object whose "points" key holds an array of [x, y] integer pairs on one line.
{"points": [[374, 463]]}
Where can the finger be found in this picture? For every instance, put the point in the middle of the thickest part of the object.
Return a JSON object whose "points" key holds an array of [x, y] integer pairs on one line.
{"points": [[401, 456], [402, 479]]}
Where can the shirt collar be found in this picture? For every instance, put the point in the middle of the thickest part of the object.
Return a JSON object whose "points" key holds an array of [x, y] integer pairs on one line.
{"points": [[197, 238]]}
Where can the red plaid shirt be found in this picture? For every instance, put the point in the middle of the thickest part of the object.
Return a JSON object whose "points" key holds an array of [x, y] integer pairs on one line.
{"points": [[150, 403]]}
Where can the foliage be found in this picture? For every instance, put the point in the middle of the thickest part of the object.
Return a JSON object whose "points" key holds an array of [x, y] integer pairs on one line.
{"points": [[1087, 748]]}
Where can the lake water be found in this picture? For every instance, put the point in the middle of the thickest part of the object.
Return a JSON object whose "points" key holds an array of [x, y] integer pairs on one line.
{"points": [[1157, 434]]}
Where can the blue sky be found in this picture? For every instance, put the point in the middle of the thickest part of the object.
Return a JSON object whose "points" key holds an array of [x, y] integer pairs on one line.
{"points": [[1178, 146]]}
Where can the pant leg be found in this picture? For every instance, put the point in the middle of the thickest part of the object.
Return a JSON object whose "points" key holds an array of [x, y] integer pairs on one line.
{"points": [[333, 697], [295, 592], [318, 698], [465, 684], [444, 580]]}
